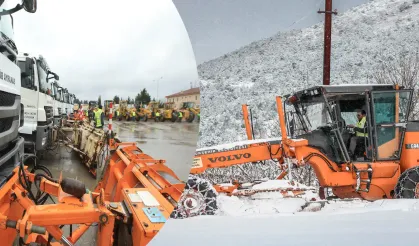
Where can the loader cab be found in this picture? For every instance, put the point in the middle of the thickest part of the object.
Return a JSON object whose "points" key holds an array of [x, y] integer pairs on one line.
{"points": [[322, 115], [187, 105]]}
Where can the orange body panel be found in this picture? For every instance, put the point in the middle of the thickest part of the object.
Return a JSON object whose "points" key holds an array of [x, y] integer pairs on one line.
{"points": [[129, 171], [410, 156]]}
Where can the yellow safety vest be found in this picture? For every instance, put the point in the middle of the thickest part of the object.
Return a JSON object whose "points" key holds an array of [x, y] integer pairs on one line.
{"points": [[361, 124], [157, 114], [180, 114], [133, 113], [98, 117]]}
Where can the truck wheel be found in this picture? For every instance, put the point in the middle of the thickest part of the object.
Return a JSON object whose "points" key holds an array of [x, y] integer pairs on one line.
{"points": [[199, 198], [191, 117], [408, 184]]}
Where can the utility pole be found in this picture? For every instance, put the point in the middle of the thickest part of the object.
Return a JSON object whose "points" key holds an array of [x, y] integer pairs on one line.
{"points": [[327, 39], [158, 87]]}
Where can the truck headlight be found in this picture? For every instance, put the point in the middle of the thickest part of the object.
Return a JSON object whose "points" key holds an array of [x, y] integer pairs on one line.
{"points": [[44, 141]]}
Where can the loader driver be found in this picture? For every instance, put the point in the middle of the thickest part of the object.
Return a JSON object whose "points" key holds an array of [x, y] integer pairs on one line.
{"points": [[360, 132]]}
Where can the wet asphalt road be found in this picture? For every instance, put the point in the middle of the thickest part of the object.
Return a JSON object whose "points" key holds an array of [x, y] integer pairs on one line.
{"points": [[173, 142]]}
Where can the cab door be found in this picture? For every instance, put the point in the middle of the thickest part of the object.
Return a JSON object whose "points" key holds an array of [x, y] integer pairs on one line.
{"points": [[390, 114]]}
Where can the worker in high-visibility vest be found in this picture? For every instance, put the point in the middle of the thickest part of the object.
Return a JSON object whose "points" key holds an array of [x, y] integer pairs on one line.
{"points": [[360, 130], [180, 116], [157, 118], [133, 114], [98, 114]]}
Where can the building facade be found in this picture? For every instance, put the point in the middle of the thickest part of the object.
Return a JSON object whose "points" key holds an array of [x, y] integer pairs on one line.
{"points": [[191, 95]]}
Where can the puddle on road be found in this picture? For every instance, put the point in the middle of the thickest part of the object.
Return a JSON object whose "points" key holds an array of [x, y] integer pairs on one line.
{"points": [[183, 144]]}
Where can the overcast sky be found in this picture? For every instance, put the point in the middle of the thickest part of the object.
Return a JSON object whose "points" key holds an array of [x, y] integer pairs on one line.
{"points": [[110, 47], [217, 27]]}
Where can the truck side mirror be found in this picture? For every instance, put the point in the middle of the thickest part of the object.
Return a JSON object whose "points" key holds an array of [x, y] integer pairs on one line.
{"points": [[25, 71], [30, 5], [56, 77]]}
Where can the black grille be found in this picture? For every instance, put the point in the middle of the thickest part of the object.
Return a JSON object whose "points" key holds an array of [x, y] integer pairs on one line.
{"points": [[6, 124], [7, 99], [59, 111]]}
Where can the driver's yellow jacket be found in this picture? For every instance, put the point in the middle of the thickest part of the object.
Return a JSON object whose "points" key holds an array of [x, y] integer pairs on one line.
{"points": [[359, 128]]}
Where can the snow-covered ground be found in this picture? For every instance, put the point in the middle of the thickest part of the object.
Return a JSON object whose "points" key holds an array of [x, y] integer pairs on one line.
{"points": [[384, 222]]}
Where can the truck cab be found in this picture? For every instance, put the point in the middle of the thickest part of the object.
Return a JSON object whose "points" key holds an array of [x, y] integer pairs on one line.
{"points": [[71, 104], [67, 105], [56, 102], [11, 111], [37, 101], [60, 101]]}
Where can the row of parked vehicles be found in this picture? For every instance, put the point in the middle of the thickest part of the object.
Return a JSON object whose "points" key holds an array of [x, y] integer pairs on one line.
{"points": [[156, 111], [45, 102], [32, 101]]}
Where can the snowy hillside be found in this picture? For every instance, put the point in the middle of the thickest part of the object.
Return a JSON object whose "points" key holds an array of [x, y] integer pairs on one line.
{"points": [[255, 74]]}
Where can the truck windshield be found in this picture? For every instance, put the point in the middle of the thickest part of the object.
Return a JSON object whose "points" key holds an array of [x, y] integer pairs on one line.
{"points": [[6, 27], [42, 76], [60, 96], [55, 92], [66, 97]]}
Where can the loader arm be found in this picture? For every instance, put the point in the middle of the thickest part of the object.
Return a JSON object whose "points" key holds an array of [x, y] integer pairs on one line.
{"points": [[239, 154], [131, 203]]}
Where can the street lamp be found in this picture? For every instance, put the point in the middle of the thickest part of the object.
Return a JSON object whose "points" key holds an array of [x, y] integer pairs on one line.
{"points": [[158, 87]]}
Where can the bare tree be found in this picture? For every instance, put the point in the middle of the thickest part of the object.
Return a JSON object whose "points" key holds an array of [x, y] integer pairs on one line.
{"points": [[403, 70]]}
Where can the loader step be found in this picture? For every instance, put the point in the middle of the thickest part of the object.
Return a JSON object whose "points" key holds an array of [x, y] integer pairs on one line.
{"points": [[366, 182]]}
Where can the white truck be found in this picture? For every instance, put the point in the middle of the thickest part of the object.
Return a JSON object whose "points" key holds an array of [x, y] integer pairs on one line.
{"points": [[56, 102], [11, 112], [61, 102], [66, 101], [37, 101]]}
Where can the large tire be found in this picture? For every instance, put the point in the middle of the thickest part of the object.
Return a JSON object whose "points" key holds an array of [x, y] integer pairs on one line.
{"points": [[191, 117], [174, 117], [408, 184], [199, 198]]}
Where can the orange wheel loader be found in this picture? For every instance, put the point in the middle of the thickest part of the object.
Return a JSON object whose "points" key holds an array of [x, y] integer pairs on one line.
{"points": [[316, 130]]}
